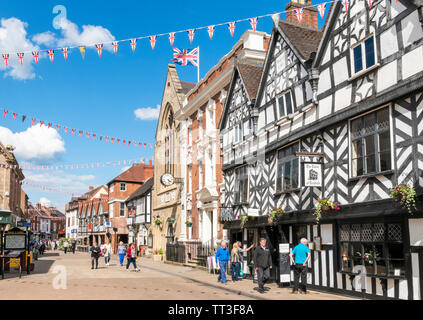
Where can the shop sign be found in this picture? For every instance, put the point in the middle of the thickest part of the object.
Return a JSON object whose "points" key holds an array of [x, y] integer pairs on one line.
{"points": [[312, 174]]}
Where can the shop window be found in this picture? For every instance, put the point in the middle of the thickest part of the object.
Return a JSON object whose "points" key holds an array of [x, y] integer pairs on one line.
{"points": [[287, 177], [370, 143], [377, 246]]}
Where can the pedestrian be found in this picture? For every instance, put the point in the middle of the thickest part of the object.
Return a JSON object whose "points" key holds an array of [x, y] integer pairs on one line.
{"points": [[263, 264], [35, 249], [241, 258], [222, 258], [73, 246], [95, 254], [131, 256], [42, 247], [302, 255], [235, 264], [121, 252], [107, 251], [65, 246]]}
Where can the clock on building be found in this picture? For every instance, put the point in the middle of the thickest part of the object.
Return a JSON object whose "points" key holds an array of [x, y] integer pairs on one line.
{"points": [[167, 179]]}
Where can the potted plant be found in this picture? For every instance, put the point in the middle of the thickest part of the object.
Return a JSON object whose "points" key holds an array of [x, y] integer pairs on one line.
{"points": [[158, 255], [275, 214], [324, 205], [188, 224], [406, 195]]}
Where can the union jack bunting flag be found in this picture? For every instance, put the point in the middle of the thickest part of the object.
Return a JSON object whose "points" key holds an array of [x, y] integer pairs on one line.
{"points": [[186, 56], [115, 46], [153, 41], [133, 44], [231, 26], [21, 56], [36, 56], [171, 38], [191, 34], [253, 22], [299, 14], [6, 57], [51, 54], [321, 7], [210, 30], [370, 3], [99, 49], [65, 53], [346, 4]]}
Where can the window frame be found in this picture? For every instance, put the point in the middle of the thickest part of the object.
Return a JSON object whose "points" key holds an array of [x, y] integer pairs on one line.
{"points": [[361, 43], [376, 140], [283, 94], [120, 209], [287, 159], [120, 186], [245, 188]]}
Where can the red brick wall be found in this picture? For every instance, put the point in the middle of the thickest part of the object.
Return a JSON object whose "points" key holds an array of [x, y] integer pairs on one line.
{"points": [[310, 17]]}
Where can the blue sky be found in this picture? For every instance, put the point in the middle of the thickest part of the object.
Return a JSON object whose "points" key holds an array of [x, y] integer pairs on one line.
{"points": [[100, 95]]}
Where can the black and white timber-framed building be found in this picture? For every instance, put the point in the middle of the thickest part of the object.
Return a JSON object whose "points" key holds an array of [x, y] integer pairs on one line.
{"points": [[348, 98]]}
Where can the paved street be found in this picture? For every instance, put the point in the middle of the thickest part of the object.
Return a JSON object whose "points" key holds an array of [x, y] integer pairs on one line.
{"points": [[156, 280]]}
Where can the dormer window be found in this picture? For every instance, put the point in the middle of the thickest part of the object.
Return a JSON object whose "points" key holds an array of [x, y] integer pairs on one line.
{"points": [[364, 55], [285, 104]]}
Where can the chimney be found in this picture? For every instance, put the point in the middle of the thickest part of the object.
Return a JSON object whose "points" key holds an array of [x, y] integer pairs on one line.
{"points": [[310, 15], [91, 188], [39, 206]]}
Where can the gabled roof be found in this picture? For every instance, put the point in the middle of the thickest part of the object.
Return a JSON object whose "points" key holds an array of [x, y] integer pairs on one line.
{"points": [[136, 174], [250, 75], [141, 190], [305, 39]]}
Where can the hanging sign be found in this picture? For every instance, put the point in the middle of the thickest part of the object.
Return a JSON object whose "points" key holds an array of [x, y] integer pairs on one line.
{"points": [[312, 174]]}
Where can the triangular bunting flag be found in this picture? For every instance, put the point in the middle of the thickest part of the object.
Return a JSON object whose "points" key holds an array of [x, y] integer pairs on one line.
{"points": [[33, 121], [253, 22], [65, 53], [6, 58], [231, 26], [82, 49], [191, 34], [299, 13], [14, 115], [171, 38], [5, 113], [115, 46], [51, 54], [210, 30], [133, 44], [99, 49], [153, 41], [23, 118], [346, 4], [369, 2], [36, 56], [321, 8], [21, 56]]}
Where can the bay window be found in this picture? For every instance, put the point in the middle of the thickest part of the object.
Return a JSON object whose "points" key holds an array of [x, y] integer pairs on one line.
{"points": [[371, 143], [287, 175]]}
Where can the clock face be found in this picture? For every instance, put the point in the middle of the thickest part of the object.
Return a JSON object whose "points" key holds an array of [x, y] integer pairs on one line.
{"points": [[167, 179]]}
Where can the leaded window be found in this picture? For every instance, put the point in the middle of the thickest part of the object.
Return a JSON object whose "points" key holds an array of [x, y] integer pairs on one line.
{"points": [[371, 143], [287, 177], [376, 246], [241, 185]]}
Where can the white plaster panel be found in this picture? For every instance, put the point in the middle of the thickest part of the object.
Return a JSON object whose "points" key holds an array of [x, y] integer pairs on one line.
{"points": [[299, 95], [416, 232], [387, 76], [340, 71], [343, 98], [416, 275], [388, 42], [325, 107], [412, 62], [270, 114], [324, 81], [396, 8], [411, 28], [310, 116]]}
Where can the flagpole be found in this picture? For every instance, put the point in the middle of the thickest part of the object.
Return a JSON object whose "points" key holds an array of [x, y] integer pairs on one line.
{"points": [[198, 67]]}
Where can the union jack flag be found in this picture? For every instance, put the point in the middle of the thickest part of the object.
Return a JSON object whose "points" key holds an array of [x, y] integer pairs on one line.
{"points": [[5, 57], [299, 14], [210, 30], [99, 49], [51, 54], [133, 44], [231, 27], [115, 46], [171, 38], [346, 4], [36, 56], [21, 56], [321, 7], [153, 41], [370, 3], [191, 34], [65, 52], [186, 56], [253, 22]]}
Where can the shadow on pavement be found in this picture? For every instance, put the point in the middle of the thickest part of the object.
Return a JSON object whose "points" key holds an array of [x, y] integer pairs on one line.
{"points": [[41, 267]]}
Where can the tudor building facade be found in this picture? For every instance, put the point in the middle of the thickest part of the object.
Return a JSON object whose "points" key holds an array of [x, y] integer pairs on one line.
{"points": [[349, 100]]}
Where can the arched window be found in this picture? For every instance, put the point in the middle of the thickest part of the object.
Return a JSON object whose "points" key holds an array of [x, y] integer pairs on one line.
{"points": [[169, 142]]}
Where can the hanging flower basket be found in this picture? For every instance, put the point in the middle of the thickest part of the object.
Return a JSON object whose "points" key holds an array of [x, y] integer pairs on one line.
{"points": [[324, 205], [275, 215], [157, 222], [406, 195], [188, 224]]}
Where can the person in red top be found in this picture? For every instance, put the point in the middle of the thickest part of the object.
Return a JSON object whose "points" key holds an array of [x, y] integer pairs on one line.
{"points": [[131, 255]]}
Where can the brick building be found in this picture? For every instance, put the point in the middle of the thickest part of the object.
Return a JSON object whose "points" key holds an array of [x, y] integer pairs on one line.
{"points": [[119, 189], [200, 143]]}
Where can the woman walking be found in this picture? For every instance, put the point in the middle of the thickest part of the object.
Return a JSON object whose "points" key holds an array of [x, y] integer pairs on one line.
{"points": [[131, 256], [121, 252], [235, 264], [107, 251]]}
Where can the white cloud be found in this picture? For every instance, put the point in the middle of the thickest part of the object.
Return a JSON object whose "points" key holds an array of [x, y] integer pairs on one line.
{"points": [[37, 143], [47, 38], [44, 202], [13, 39], [147, 113]]}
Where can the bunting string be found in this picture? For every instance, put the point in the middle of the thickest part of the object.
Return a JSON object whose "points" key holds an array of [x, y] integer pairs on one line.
{"points": [[89, 135], [231, 25]]}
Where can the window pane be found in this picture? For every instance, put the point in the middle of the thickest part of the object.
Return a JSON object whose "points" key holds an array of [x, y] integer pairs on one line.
{"points": [[346, 257], [288, 103], [383, 118], [279, 177], [357, 151], [396, 262], [287, 176], [356, 126], [384, 141], [295, 177], [370, 123], [357, 167], [370, 145], [281, 106], [358, 59], [370, 52], [385, 161], [371, 164]]}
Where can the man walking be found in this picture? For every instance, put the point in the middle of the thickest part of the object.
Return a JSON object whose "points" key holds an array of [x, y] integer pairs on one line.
{"points": [[222, 258], [65, 246], [302, 255], [95, 254], [263, 264]]}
